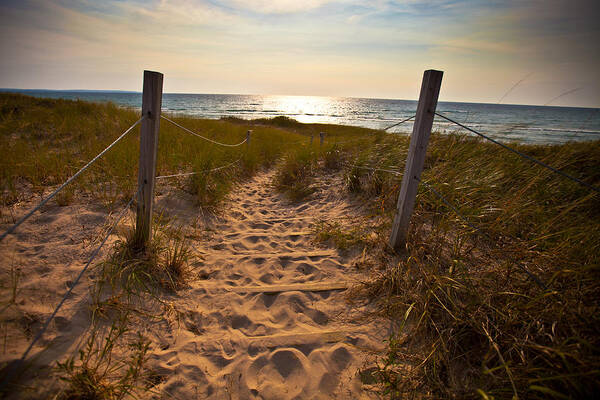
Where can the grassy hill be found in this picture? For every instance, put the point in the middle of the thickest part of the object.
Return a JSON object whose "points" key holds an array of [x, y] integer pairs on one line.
{"points": [[471, 323]]}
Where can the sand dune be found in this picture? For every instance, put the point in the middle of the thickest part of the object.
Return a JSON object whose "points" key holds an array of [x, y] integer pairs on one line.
{"points": [[264, 317]]}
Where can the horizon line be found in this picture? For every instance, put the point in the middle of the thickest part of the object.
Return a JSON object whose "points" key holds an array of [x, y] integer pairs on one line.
{"points": [[290, 95]]}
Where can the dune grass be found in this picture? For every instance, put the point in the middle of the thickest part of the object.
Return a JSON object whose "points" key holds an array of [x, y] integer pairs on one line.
{"points": [[45, 141], [469, 322]]}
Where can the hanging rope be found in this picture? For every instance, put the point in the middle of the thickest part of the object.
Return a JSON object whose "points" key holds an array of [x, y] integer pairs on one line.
{"points": [[198, 172], [523, 155], [399, 123], [203, 137], [71, 179]]}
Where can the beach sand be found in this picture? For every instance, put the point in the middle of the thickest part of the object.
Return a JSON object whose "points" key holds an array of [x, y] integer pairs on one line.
{"points": [[264, 316]]}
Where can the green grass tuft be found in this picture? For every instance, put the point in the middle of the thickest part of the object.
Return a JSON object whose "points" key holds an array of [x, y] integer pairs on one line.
{"points": [[295, 174], [139, 267]]}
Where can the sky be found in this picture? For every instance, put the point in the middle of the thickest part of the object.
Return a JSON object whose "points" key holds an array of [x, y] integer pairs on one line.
{"points": [[513, 52]]}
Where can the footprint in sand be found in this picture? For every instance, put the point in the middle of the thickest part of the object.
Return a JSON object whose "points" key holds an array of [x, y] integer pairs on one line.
{"points": [[284, 340]]}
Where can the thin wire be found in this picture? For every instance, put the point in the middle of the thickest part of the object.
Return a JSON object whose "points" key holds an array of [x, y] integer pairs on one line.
{"points": [[92, 257], [401, 122], [466, 221], [198, 172], [202, 137], [522, 154], [47, 199]]}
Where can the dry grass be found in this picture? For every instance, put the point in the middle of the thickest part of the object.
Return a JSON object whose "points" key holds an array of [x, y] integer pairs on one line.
{"points": [[473, 325]]}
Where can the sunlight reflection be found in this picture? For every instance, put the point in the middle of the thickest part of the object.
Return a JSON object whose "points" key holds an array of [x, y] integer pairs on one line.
{"points": [[302, 108]]}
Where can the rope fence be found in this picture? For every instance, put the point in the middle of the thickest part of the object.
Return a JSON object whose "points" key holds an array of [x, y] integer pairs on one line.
{"points": [[199, 172], [68, 181], [521, 154], [399, 123], [203, 137]]}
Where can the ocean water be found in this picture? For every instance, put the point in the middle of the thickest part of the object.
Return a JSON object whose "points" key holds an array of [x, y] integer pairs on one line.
{"points": [[508, 123]]}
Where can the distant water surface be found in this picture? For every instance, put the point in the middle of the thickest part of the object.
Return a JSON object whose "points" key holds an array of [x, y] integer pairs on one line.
{"points": [[527, 124]]}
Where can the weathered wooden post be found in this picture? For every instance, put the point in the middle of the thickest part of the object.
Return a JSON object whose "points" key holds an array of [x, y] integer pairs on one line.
{"points": [[151, 105], [312, 137], [248, 139], [430, 90], [321, 137]]}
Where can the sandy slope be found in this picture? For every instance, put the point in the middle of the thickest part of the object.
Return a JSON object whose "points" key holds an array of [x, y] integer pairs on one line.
{"points": [[41, 260], [288, 345], [228, 338]]}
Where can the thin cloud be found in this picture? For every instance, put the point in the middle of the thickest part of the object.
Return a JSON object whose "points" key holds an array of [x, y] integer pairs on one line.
{"points": [[274, 6]]}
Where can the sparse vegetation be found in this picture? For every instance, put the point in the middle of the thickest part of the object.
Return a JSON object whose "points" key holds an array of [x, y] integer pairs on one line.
{"points": [[97, 374], [338, 235]]}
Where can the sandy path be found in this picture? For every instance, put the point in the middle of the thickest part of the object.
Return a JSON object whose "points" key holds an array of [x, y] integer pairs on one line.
{"points": [[295, 341], [256, 321]]}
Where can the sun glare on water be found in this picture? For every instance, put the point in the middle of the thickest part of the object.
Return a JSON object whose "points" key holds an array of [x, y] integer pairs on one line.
{"points": [[302, 108]]}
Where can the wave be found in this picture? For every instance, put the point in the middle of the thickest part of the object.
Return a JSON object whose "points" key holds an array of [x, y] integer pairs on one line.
{"points": [[570, 130], [240, 110]]}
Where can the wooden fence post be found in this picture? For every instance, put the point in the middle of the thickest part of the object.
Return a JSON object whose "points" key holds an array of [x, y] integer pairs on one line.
{"points": [[248, 139], [312, 136], [430, 90], [321, 137], [151, 105]]}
